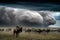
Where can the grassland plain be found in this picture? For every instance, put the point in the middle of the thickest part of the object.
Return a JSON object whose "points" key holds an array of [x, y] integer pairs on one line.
{"points": [[30, 36]]}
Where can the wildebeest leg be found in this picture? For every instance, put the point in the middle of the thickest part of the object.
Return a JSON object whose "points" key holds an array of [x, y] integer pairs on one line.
{"points": [[17, 34], [14, 33], [39, 32]]}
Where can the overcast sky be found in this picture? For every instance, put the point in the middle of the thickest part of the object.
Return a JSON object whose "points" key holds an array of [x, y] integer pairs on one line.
{"points": [[39, 7]]}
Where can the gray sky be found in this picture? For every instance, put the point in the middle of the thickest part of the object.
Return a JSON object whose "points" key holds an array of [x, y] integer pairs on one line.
{"points": [[39, 7]]}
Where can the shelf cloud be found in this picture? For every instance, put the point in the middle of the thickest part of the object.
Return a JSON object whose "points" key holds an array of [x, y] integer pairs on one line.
{"points": [[25, 17]]}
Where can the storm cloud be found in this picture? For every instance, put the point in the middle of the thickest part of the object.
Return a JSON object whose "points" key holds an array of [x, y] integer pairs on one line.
{"points": [[25, 17], [48, 17]]}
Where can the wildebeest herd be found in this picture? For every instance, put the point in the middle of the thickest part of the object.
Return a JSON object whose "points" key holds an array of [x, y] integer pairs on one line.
{"points": [[18, 30], [7, 29]]}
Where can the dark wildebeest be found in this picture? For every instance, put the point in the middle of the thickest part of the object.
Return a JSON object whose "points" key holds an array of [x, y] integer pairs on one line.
{"points": [[17, 31], [28, 30], [1, 29], [9, 29], [58, 30], [48, 30], [38, 30]]}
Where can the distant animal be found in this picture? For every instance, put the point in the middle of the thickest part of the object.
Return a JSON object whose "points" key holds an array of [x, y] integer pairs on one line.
{"points": [[48, 30], [38, 30], [28, 30], [9, 29], [58, 30], [17, 31], [1, 29]]}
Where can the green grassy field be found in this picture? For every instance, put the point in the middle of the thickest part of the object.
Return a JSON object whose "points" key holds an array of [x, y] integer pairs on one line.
{"points": [[31, 36]]}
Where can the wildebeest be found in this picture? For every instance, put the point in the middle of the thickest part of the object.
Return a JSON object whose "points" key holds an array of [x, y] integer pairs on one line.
{"points": [[17, 31], [48, 30], [58, 30], [1, 29], [9, 29], [28, 30], [38, 30]]}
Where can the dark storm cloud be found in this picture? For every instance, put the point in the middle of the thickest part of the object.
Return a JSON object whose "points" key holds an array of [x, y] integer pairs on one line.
{"points": [[48, 18], [6, 16], [25, 17]]}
